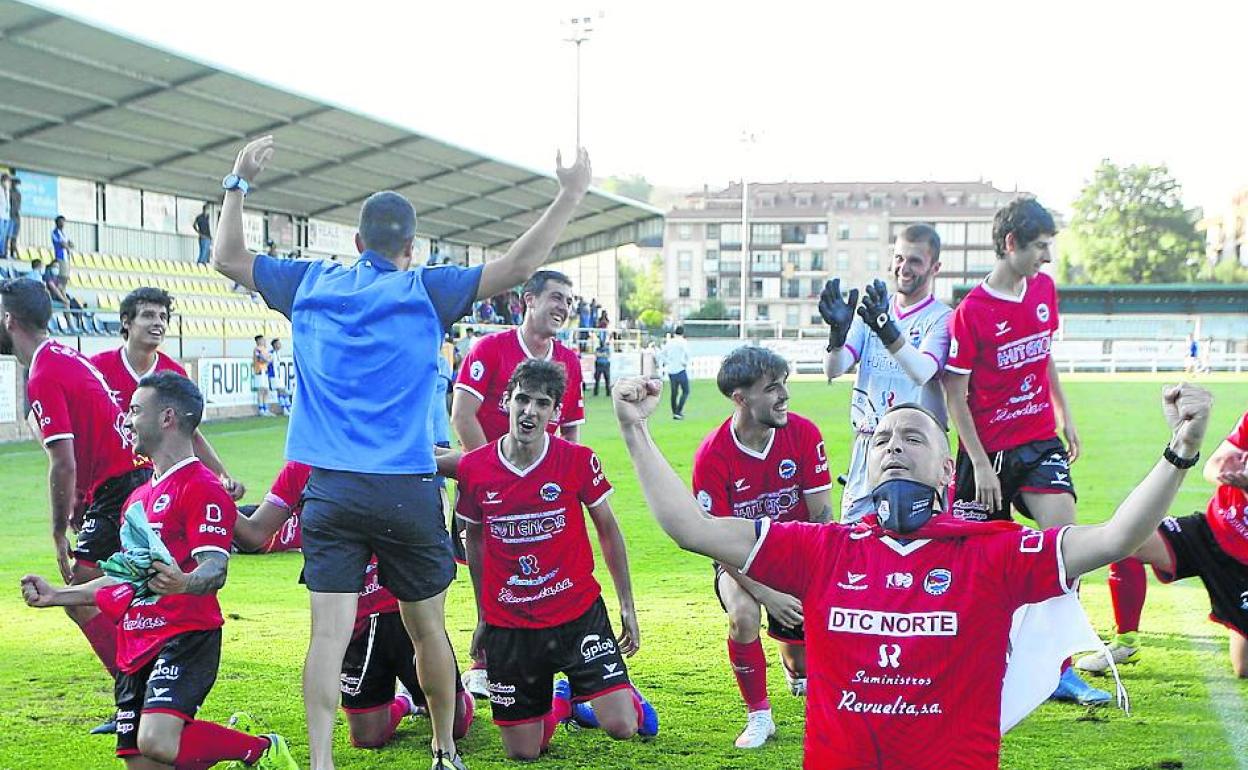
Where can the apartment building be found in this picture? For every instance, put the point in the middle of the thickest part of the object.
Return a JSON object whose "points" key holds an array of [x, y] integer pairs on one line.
{"points": [[802, 234]]}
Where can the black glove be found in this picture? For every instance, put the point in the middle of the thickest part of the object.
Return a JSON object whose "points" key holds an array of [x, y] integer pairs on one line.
{"points": [[837, 313], [874, 310]]}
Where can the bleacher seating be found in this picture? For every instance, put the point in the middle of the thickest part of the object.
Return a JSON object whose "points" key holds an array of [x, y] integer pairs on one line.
{"points": [[205, 304]]}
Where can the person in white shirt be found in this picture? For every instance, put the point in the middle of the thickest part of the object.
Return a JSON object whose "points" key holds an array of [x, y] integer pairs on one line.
{"points": [[676, 358]]}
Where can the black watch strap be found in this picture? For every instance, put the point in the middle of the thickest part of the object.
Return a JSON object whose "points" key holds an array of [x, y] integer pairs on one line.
{"points": [[1182, 463]]}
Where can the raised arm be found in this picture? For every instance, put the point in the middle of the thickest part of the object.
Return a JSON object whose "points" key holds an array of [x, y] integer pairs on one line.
{"points": [[230, 255], [838, 315], [530, 250], [1086, 548], [724, 539]]}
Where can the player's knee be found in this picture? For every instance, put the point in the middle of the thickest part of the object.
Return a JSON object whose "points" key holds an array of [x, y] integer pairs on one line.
{"points": [[621, 727], [743, 624], [366, 739], [158, 745]]}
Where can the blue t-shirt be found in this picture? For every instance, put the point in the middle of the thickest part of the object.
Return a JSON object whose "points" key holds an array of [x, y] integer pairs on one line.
{"points": [[58, 242], [366, 340]]}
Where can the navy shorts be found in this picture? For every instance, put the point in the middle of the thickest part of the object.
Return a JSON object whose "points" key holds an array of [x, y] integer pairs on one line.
{"points": [[176, 681], [100, 535], [378, 655], [348, 517], [1196, 553], [1037, 466]]}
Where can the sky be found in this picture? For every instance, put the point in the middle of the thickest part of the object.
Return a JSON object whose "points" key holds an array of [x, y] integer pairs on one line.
{"points": [[1027, 95]]}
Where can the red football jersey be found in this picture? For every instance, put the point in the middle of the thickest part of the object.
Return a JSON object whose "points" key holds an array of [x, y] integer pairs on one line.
{"points": [[123, 379], [287, 492], [730, 479], [1228, 508], [487, 367], [537, 564], [906, 643], [1003, 342], [71, 399], [191, 512]]}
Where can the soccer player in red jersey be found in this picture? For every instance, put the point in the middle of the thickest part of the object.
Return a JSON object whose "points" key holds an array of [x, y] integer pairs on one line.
{"points": [[93, 467], [908, 613], [763, 462], [1005, 397], [1212, 546], [144, 320], [540, 609], [478, 411], [168, 624], [380, 650]]}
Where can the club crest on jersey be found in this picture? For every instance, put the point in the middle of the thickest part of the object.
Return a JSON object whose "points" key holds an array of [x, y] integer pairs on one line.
{"points": [[161, 503], [550, 491], [916, 336], [477, 370], [704, 500], [937, 581], [787, 468], [1042, 312]]}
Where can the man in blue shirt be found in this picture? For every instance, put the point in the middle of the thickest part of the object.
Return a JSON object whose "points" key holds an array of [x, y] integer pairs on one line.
{"points": [[366, 341]]}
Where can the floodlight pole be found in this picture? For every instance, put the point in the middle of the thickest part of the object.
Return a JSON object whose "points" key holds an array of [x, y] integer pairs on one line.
{"points": [[581, 27], [748, 140]]}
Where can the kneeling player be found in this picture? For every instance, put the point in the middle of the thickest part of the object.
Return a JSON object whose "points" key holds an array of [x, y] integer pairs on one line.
{"points": [[540, 609], [169, 633], [380, 651], [761, 463], [1212, 546]]}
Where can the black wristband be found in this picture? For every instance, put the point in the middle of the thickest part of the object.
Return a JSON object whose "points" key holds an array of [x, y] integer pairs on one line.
{"points": [[888, 333], [1182, 463]]}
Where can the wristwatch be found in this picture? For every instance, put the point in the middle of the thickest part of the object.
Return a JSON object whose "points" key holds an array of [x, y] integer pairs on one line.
{"points": [[235, 182], [1182, 463]]}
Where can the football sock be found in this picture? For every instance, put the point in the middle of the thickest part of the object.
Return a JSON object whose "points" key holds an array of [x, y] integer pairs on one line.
{"points": [[560, 710], [1128, 585], [102, 634], [205, 743], [749, 665]]}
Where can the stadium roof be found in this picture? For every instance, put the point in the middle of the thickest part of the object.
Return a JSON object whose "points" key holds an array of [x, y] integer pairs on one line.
{"points": [[78, 100]]}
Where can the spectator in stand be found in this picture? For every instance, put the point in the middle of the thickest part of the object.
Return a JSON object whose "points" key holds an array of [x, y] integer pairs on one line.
{"points": [[15, 215], [584, 322], [4, 214], [204, 230], [516, 307], [62, 246], [36, 270], [485, 312], [52, 281]]}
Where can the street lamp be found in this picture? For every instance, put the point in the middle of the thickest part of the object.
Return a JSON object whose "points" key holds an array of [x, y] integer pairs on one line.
{"points": [[579, 29]]}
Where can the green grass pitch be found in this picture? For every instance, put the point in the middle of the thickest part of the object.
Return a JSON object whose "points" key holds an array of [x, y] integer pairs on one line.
{"points": [[1188, 711]]}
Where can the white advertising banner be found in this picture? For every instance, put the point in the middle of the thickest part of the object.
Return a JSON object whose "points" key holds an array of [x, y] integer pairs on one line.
{"points": [[8, 389], [77, 199], [226, 381], [253, 231], [331, 237], [159, 212], [123, 206], [188, 209]]}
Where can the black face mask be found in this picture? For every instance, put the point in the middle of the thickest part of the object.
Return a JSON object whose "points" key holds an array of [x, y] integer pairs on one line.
{"points": [[903, 505]]}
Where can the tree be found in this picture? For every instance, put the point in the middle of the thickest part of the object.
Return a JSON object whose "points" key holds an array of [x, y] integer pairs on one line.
{"points": [[713, 310], [1130, 226], [633, 186], [640, 290]]}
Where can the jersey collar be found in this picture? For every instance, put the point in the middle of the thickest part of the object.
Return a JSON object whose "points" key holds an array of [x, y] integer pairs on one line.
{"points": [[903, 312], [174, 469], [121, 351], [525, 348], [771, 439], [991, 292], [522, 473], [372, 259]]}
